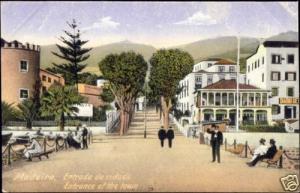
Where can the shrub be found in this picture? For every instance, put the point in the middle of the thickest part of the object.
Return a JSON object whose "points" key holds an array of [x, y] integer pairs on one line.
{"points": [[264, 128]]}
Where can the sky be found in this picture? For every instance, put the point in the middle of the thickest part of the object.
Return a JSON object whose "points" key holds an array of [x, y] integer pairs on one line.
{"points": [[160, 24]]}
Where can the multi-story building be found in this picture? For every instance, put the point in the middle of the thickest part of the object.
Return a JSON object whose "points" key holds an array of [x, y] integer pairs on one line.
{"points": [[217, 102], [20, 64], [91, 93], [275, 67], [204, 73], [48, 78]]}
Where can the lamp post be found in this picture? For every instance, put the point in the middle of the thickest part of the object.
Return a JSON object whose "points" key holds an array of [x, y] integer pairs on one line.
{"points": [[237, 83], [145, 111]]}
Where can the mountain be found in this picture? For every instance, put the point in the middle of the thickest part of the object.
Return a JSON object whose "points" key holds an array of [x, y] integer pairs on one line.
{"points": [[222, 47], [97, 54], [290, 36]]}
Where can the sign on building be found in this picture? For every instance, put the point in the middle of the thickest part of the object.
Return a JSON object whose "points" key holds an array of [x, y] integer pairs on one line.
{"points": [[288, 100], [85, 110]]}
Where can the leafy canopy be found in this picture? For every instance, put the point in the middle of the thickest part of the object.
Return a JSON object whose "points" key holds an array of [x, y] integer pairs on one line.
{"points": [[168, 68]]}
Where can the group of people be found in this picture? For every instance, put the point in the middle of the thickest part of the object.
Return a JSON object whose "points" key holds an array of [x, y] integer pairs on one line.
{"points": [[261, 152], [163, 134], [79, 138]]}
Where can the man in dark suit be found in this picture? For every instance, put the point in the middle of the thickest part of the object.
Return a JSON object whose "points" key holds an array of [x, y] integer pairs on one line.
{"points": [[269, 155], [170, 136], [162, 135], [84, 137], [216, 141]]}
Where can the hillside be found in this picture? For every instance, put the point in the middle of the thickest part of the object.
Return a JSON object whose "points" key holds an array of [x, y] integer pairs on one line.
{"points": [[222, 47], [97, 54]]}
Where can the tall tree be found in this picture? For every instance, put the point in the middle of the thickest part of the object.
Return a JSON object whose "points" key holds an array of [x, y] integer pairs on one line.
{"points": [[168, 67], [59, 101], [126, 74], [73, 53], [28, 111]]}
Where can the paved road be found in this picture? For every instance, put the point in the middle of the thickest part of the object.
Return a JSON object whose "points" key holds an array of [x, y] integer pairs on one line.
{"points": [[132, 163]]}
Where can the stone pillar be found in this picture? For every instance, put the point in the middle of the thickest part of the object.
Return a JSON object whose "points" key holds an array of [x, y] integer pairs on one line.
{"points": [[254, 116], [227, 98], [221, 98], [254, 101], [214, 114], [261, 99]]}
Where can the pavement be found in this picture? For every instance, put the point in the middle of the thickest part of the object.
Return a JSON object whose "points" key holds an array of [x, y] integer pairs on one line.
{"points": [[132, 163]]}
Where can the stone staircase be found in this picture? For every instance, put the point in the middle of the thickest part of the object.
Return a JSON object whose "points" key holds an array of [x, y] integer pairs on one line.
{"points": [[153, 124]]}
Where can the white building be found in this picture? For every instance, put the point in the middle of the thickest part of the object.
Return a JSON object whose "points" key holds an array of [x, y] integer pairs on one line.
{"points": [[204, 73], [275, 67]]}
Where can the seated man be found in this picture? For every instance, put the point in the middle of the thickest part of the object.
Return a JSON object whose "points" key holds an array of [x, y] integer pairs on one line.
{"points": [[39, 132], [34, 148], [269, 155], [260, 150]]}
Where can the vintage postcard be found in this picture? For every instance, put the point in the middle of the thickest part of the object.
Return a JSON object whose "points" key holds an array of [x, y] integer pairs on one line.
{"points": [[111, 96]]}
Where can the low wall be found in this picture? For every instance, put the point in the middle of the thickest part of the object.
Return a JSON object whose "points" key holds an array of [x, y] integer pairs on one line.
{"points": [[282, 139], [46, 130]]}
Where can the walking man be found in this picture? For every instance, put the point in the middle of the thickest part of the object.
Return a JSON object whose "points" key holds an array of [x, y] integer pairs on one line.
{"points": [[84, 137], [216, 141], [170, 136], [162, 136]]}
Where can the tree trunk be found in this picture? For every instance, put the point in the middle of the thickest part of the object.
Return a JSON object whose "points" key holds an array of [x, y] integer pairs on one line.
{"points": [[62, 122], [122, 120], [28, 124], [166, 105]]}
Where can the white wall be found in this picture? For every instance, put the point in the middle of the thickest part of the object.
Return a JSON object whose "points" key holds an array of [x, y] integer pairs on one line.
{"points": [[282, 139]]}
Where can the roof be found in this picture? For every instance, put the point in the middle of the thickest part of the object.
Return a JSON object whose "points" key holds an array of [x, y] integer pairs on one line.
{"points": [[224, 62], [203, 71], [211, 59], [48, 72], [228, 84]]}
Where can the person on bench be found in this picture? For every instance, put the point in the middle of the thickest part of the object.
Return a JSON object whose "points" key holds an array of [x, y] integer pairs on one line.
{"points": [[269, 155], [260, 150], [34, 148]]}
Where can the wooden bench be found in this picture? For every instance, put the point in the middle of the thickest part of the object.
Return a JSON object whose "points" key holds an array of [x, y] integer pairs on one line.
{"points": [[39, 155], [275, 159]]}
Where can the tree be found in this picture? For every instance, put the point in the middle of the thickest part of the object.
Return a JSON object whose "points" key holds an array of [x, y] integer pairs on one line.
{"points": [[72, 53], [168, 67], [107, 95], [8, 112], [59, 101], [126, 74], [28, 111]]}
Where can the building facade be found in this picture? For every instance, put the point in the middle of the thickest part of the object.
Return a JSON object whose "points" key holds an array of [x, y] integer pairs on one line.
{"points": [[275, 67], [217, 102], [91, 93], [204, 73], [20, 64], [48, 78]]}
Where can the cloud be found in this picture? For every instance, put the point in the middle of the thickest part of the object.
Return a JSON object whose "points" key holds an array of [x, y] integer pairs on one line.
{"points": [[105, 23], [198, 18], [291, 8]]}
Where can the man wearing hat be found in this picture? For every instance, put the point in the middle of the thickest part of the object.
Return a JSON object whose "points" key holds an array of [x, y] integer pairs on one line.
{"points": [[260, 150], [269, 155], [84, 137], [216, 141], [34, 147]]}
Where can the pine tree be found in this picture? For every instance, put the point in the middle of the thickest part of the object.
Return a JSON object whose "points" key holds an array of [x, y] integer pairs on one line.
{"points": [[73, 53]]}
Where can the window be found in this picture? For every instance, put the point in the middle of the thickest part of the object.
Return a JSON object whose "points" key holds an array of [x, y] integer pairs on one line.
{"points": [[255, 65], [290, 59], [290, 76], [252, 66], [198, 79], [262, 77], [262, 60], [209, 65], [276, 59], [249, 68], [258, 63], [221, 76], [44, 78], [221, 68], [23, 66], [209, 80], [24, 93], [290, 91], [231, 68], [275, 76], [275, 109], [49, 79], [274, 91], [44, 89]]}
